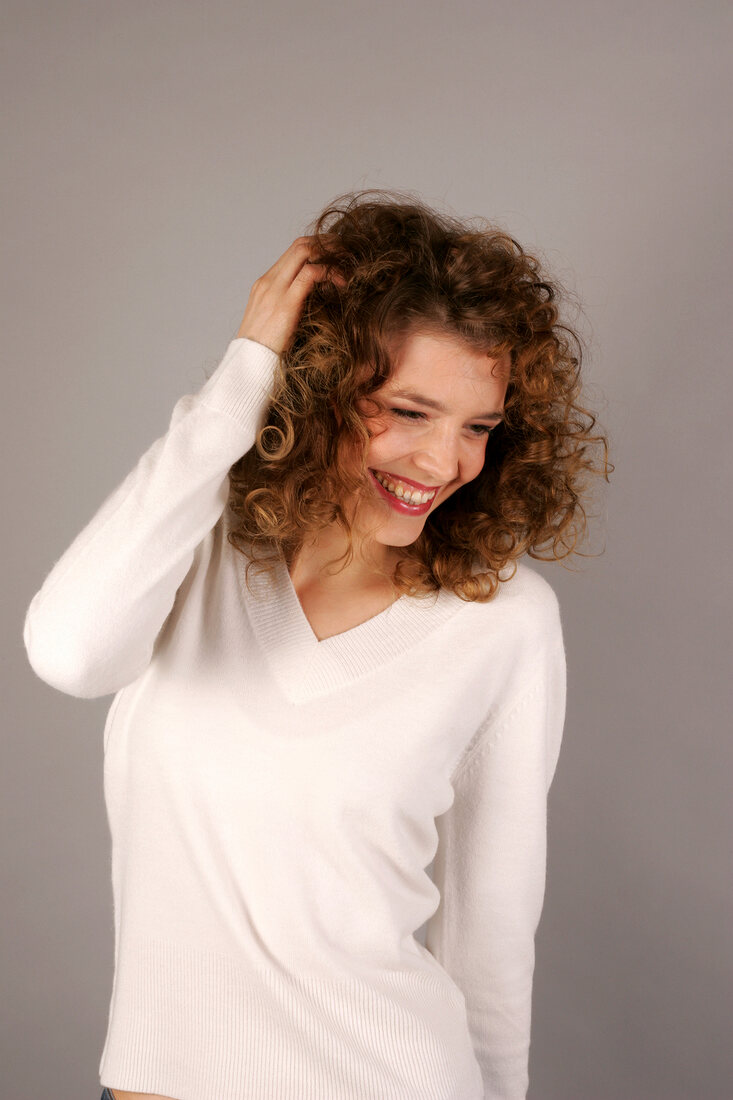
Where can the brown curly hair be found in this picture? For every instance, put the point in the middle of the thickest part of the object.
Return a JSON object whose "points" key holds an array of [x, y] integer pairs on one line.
{"points": [[410, 269]]}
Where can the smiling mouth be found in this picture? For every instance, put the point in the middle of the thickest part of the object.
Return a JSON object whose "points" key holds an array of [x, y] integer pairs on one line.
{"points": [[405, 492]]}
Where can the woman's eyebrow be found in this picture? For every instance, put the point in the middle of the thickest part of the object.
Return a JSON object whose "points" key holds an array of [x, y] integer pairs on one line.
{"points": [[431, 404]]}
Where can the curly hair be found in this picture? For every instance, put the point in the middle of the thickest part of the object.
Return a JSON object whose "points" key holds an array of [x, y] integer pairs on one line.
{"points": [[408, 269]]}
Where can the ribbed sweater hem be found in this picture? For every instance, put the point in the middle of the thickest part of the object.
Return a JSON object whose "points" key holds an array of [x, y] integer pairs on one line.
{"points": [[199, 1026]]}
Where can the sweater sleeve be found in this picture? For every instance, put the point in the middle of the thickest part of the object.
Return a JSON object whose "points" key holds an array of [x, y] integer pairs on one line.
{"points": [[490, 870], [91, 628]]}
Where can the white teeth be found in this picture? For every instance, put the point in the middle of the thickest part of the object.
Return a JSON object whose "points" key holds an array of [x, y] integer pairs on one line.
{"points": [[409, 496]]}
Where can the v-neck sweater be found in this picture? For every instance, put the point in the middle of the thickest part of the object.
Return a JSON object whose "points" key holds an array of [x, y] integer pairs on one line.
{"points": [[274, 800]]}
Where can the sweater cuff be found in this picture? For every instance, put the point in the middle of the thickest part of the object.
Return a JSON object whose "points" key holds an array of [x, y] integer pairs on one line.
{"points": [[243, 380]]}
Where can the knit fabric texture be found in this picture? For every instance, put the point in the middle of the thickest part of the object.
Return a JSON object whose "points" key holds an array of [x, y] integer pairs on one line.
{"points": [[274, 800]]}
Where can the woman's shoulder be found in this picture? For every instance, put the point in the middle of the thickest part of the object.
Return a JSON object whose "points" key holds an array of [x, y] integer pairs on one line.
{"points": [[524, 596], [521, 582]]}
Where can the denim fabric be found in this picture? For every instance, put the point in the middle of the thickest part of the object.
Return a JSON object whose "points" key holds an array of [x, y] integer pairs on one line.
{"points": [[106, 1095]]}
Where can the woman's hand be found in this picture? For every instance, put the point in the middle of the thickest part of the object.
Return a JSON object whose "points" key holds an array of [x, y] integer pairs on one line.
{"points": [[276, 299]]}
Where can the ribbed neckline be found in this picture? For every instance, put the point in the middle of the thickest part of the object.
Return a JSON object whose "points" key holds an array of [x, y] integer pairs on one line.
{"points": [[307, 668]]}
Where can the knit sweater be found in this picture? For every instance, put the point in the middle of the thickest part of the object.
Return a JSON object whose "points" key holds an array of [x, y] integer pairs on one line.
{"points": [[274, 799]]}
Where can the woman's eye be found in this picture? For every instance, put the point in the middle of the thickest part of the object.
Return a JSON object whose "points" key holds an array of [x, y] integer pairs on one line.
{"points": [[413, 414]]}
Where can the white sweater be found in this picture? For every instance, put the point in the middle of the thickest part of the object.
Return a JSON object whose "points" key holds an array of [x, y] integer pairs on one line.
{"points": [[274, 800]]}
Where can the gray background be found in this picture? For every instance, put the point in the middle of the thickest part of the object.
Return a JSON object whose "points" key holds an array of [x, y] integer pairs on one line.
{"points": [[158, 157]]}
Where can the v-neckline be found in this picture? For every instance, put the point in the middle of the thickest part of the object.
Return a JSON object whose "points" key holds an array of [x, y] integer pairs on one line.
{"points": [[288, 584], [307, 667]]}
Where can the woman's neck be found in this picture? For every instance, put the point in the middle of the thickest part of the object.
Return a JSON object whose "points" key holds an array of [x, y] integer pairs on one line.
{"points": [[317, 561]]}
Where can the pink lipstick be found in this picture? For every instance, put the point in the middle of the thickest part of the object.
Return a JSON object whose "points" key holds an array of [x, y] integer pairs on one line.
{"points": [[402, 506]]}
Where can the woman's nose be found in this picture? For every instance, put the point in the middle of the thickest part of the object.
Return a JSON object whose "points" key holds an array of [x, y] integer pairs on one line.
{"points": [[439, 460]]}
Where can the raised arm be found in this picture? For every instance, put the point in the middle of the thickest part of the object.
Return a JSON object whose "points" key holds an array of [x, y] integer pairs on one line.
{"points": [[91, 628]]}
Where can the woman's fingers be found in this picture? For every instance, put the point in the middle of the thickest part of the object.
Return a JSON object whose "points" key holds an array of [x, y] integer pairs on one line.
{"points": [[296, 262], [309, 274], [276, 299], [288, 266]]}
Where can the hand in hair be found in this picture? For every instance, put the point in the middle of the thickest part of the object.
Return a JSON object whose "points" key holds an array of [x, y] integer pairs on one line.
{"points": [[277, 297]]}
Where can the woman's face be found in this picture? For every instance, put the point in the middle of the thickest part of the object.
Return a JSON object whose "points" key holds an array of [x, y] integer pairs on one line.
{"points": [[429, 432]]}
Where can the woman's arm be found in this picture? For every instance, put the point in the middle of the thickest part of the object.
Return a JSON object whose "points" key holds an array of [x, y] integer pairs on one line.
{"points": [[91, 628], [490, 870]]}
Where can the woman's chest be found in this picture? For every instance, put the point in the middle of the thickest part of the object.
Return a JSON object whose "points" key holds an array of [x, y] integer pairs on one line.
{"points": [[225, 743], [329, 614]]}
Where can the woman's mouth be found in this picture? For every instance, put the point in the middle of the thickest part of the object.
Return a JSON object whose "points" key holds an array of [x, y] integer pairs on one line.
{"points": [[404, 498]]}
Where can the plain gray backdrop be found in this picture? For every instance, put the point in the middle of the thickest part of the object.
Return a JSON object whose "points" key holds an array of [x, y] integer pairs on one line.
{"points": [[158, 156]]}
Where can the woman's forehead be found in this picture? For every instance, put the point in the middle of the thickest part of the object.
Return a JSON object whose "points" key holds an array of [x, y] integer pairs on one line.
{"points": [[422, 351], [447, 363]]}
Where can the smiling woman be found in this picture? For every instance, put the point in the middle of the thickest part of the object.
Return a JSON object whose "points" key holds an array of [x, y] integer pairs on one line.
{"points": [[290, 746], [443, 448], [456, 329]]}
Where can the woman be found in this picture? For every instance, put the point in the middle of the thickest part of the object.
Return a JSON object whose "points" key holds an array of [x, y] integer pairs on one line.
{"points": [[330, 668]]}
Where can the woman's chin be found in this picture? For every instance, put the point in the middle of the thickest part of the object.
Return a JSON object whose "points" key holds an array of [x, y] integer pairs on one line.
{"points": [[399, 534], [392, 529]]}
